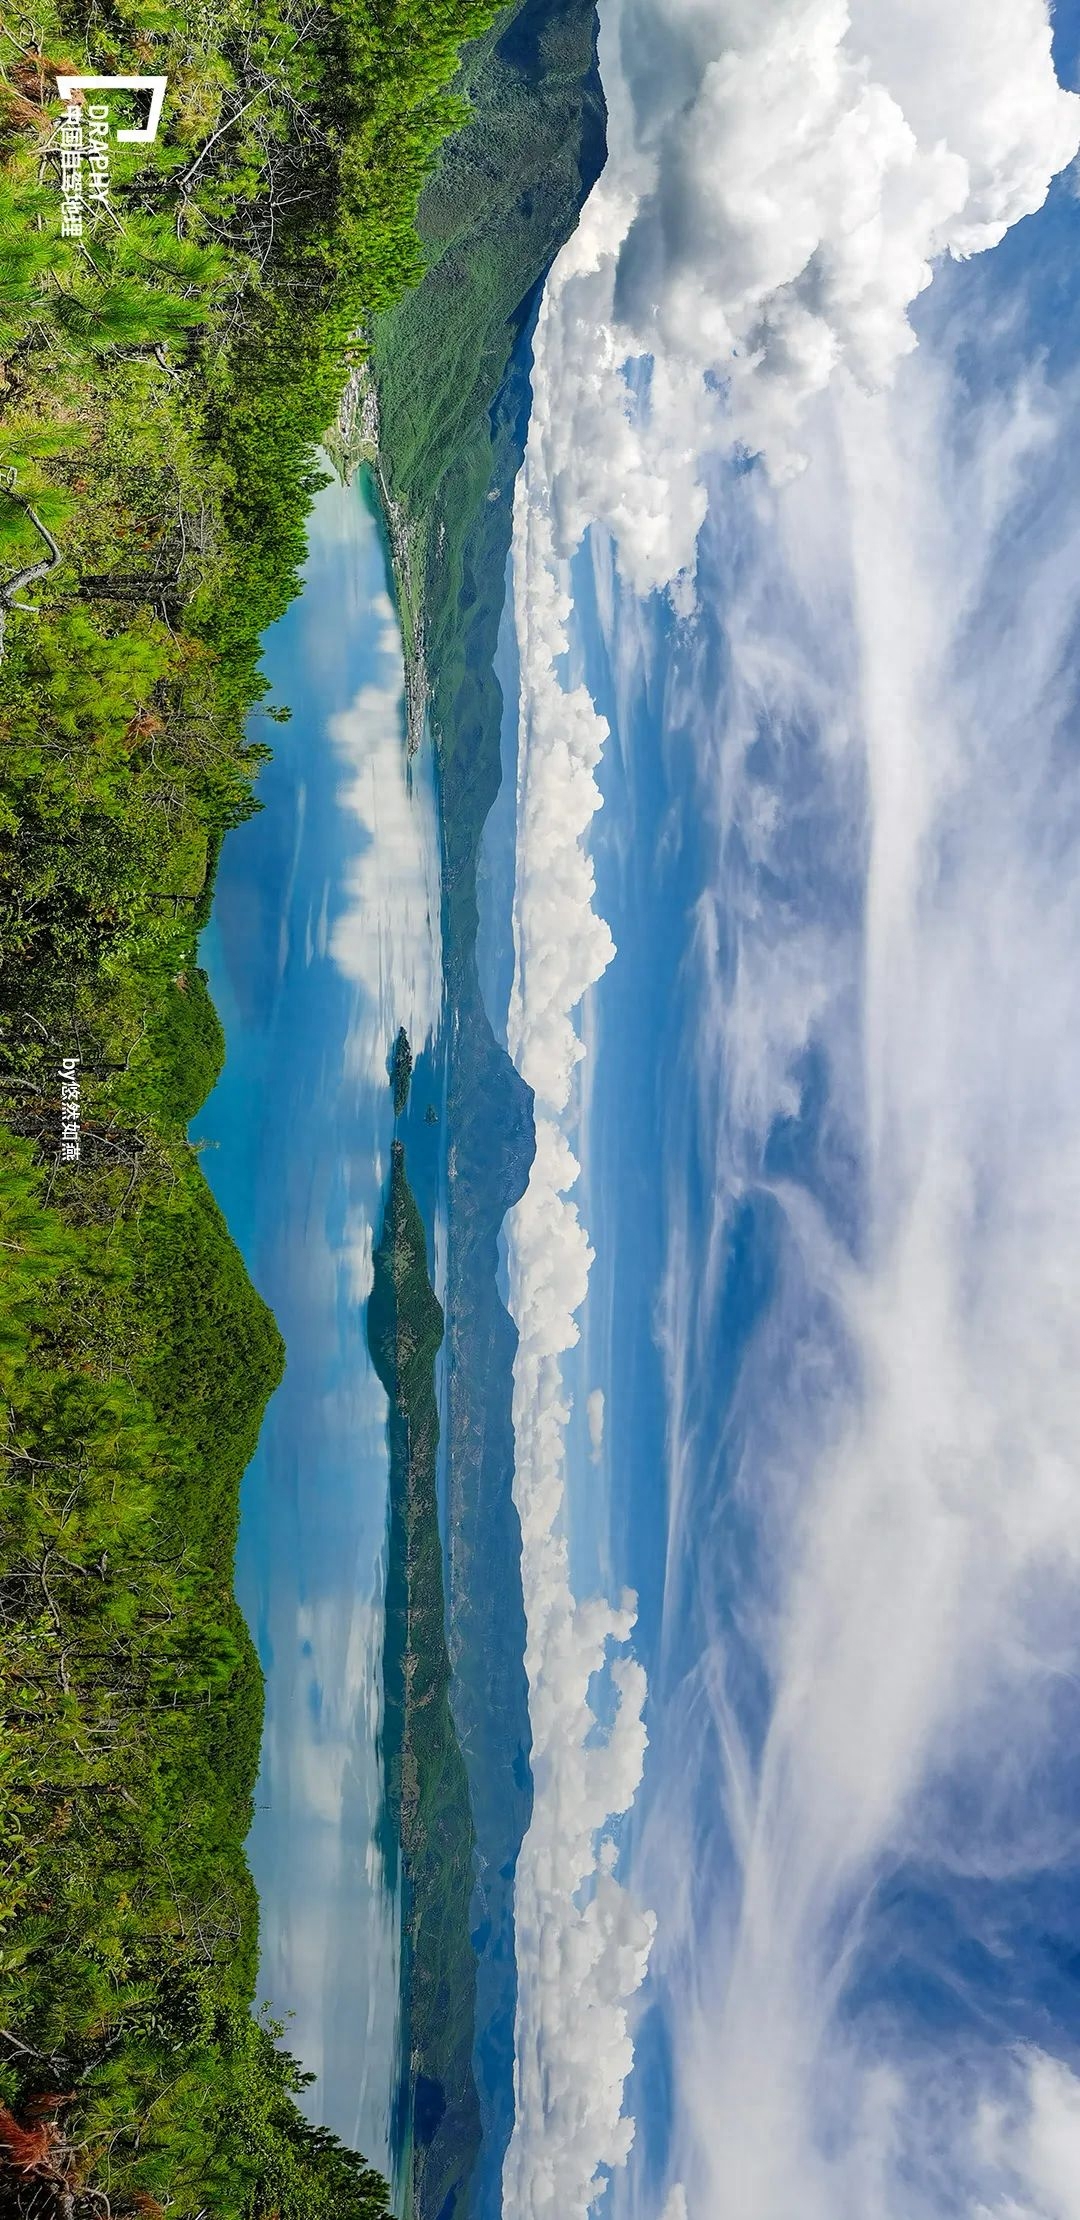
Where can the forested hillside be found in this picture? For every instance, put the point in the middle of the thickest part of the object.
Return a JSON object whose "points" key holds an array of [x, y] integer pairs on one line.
{"points": [[427, 1785], [165, 381]]}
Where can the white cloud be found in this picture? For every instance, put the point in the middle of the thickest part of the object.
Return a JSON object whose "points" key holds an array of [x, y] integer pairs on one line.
{"points": [[594, 1414], [387, 937], [357, 1253], [582, 1942], [910, 1413], [1051, 2138], [782, 177]]}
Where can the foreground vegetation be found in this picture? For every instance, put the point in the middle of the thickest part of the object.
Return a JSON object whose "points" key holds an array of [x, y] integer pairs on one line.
{"points": [[164, 385], [129, 1738]]}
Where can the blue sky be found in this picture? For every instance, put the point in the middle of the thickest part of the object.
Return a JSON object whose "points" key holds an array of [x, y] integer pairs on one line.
{"points": [[823, 1139], [796, 980]]}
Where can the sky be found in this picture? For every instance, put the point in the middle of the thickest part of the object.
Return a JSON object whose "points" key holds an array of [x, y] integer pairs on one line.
{"points": [[796, 590]]}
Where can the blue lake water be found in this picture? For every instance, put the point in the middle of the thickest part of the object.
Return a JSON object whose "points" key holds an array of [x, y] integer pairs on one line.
{"points": [[324, 937]]}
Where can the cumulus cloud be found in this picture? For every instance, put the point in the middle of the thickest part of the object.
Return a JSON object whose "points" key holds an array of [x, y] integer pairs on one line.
{"points": [[582, 1942], [783, 176], [386, 939], [561, 742]]}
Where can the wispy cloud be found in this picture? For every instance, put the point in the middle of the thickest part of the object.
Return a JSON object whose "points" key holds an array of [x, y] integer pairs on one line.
{"points": [[594, 1412], [782, 176], [907, 1429]]}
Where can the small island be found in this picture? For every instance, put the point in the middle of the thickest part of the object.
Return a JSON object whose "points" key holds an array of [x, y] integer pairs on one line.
{"points": [[401, 1071]]}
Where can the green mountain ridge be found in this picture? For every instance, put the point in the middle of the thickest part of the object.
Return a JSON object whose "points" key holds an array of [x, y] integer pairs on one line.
{"points": [[428, 1790], [451, 369]]}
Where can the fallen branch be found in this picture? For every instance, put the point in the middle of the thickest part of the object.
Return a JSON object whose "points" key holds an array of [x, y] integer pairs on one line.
{"points": [[33, 571]]}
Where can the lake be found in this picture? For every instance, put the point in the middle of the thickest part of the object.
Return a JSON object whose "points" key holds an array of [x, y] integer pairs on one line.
{"points": [[324, 937]]}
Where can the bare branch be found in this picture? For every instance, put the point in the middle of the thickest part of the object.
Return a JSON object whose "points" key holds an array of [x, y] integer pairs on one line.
{"points": [[33, 571]]}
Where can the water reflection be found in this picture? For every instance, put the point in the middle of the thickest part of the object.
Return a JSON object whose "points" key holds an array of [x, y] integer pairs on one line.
{"points": [[324, 938]]}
